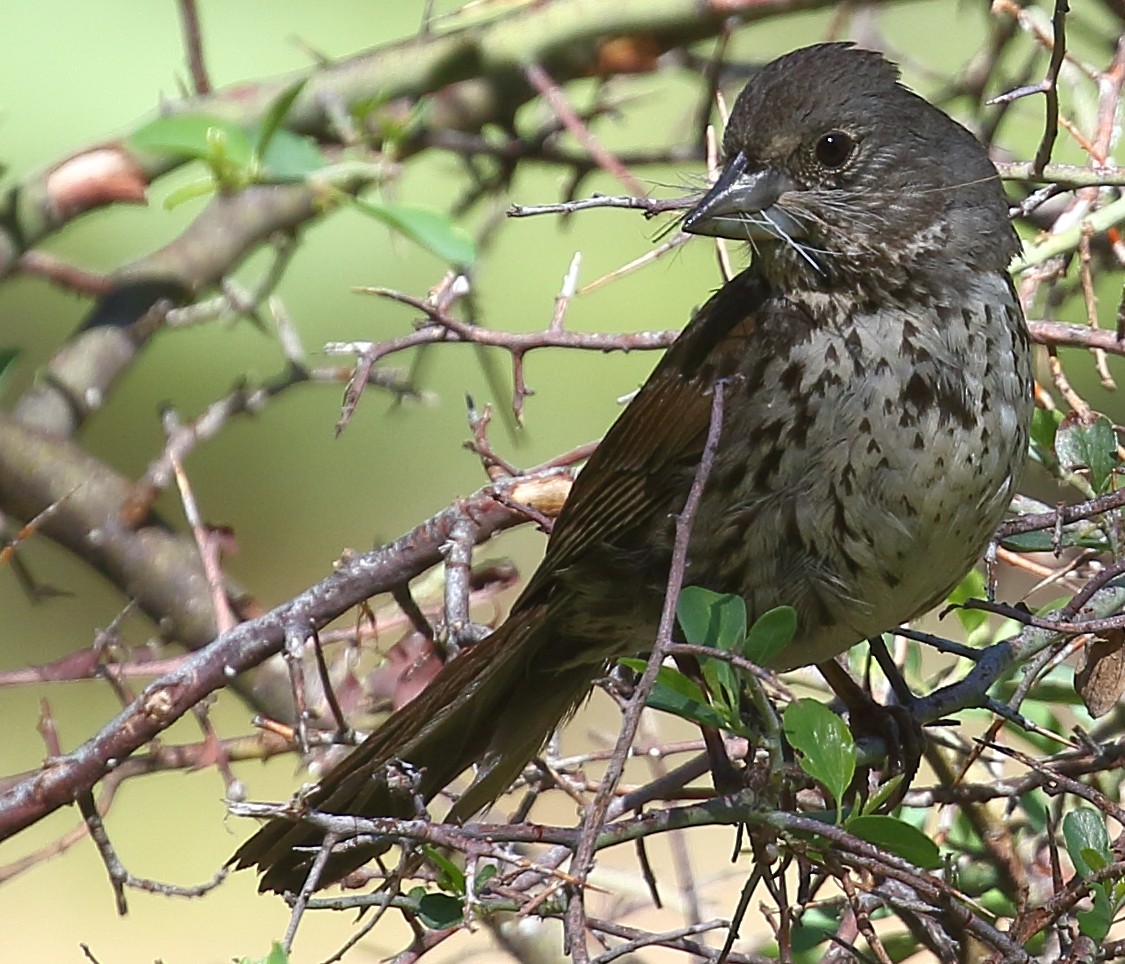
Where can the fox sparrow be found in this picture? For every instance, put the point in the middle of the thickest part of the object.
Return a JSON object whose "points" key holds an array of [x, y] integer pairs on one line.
{"points": [[875, 424]]}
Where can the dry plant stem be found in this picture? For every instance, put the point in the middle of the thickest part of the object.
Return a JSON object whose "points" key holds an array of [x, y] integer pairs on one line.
{"points": [[650, 206], [296, 637], [564, 38], [671, 938], [1090, 298], [1063, 386], [307, 889], [193, 46], [596, 815], [243, 647], [88, 663], [678, 240], [208, 548], [862, 918], [343, 730], [120, 876], [562, 300], [458, 552], [550, 92], [68, 277], [1050, 87], [714, 165]]}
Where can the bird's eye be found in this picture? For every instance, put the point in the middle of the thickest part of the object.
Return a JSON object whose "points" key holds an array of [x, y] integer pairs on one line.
{"points": [[834, 149]]}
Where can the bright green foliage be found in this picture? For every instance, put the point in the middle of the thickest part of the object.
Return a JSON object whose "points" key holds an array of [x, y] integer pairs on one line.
{"points": [[824, 746], [1087, 843]]}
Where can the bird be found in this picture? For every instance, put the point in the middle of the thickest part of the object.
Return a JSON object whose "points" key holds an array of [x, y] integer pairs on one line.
{"points": [[877, 373]]}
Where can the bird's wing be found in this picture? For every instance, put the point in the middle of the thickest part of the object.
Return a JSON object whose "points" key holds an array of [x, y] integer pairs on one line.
{"points": [[633, 473]]}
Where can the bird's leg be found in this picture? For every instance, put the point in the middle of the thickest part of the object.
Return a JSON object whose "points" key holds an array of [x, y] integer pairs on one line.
{"points": [[725, 775], [894, 724]]}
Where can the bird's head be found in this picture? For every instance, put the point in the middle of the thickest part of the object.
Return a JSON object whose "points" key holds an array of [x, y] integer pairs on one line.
{"points": [[834, 170]]}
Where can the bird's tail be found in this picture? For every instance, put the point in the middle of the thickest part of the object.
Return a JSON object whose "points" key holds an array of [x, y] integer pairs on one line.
{"points": [[494, 706]]}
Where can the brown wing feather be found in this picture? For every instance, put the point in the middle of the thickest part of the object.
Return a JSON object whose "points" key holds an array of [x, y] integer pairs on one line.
{"points": [[631, 474], [478, 708]]}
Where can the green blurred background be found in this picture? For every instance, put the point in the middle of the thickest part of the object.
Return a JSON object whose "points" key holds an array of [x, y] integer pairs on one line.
{"points": [[74, 73]]}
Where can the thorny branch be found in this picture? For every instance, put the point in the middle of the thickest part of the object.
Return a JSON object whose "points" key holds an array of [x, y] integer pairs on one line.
{"points": [[1075, 213]]}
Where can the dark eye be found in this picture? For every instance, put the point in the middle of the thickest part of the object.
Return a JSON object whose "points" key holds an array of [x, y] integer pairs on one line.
{"points": [[834, 148]]}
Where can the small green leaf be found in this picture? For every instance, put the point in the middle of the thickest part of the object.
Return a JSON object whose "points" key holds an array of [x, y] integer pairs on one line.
{"points": [[428, 229], [897, 837], [1044, 425], [291, 157], [230, 151], [1096, 923], [486, 873], [190, 191], [668, 700], [825, 748], [277, 113], [190, 135], [711, 618], [440, 911], [1094, 859], [814, 927], [723, 684], [1045, 541], [450, 876], [7, 357], [973, 621], [276, 955], [770, 634], [1035, 810], [883, 793], [676, 694], [1084, 830], [1088, 442]]}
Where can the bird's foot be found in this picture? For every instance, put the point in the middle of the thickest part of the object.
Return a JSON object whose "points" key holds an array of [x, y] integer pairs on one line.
{"points": [[894, 726]]}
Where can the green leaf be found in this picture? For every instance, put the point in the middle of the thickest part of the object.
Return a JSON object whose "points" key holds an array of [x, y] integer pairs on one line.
{"points": [[815, 926], [440, 911], [883, 793], [276, 955], [770, 634], [450, 876], [722, 681], [277, 113], [1035, 810], [7, 357], [1084, 830], [825, 748], [676, 694], [428, 229], [1044, 541], [487, 872], [188, 192], [193, 135], [1044, 425], [291, 157], [973, 621], [669, 700], [1096, 923], [1094, 859], [1088, 442], [897, 837], [712, 619]]}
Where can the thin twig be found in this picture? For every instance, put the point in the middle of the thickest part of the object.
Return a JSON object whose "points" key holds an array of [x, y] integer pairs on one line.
{"points": [[595, 816]]}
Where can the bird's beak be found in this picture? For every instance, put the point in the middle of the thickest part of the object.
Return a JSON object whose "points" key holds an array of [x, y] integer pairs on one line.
{"points": [[742, 205]]}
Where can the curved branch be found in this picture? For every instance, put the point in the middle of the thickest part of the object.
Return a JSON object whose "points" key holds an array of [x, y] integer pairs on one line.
{"points": [[474, 72], [248, 644]]}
